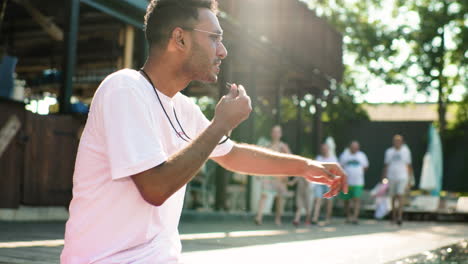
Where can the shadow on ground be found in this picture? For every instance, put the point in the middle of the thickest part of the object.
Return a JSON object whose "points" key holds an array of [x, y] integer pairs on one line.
{"points": [[41, 242]]}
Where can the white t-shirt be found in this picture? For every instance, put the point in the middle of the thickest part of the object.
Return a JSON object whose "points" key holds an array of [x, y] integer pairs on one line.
{"points": [[126, 133], [397, 162], [330, 158], [354, 165]]}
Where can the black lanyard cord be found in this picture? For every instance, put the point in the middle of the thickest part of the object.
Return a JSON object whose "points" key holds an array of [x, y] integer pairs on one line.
{"points": [[187, 139]]}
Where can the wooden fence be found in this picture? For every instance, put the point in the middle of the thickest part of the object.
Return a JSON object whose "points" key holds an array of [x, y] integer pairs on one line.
{"points": [[12, 159], [37, 166]]}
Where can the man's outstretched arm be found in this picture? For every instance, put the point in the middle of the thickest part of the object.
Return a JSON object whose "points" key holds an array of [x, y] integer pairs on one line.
{"points": [[253, 160]]}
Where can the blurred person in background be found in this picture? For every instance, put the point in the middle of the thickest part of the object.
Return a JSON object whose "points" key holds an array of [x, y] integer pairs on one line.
{"points": [[303, 200], [320, 190], [397, 170], [355, 164], [272, 185]]}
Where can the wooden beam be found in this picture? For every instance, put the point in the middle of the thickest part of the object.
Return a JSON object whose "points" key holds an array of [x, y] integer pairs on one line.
{"points": [[50, 27], [8, 132], [2, 12]]}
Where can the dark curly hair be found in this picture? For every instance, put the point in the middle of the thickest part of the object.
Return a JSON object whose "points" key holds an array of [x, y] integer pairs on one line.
{"points": [[163, 16]]}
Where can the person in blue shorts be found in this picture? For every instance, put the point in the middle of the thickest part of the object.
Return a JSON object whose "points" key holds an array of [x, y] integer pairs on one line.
{"points": [[320, 190]]}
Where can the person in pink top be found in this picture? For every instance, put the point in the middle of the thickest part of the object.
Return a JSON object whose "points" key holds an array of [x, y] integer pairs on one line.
{"points": [[144, 140], [275, 186]]}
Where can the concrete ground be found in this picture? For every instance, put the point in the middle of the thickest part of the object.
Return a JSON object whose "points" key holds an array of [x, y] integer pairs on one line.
{"points": [[240, 241]]}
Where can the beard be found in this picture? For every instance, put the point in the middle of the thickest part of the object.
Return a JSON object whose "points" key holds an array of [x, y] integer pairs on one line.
{"points": [[199, 66]]}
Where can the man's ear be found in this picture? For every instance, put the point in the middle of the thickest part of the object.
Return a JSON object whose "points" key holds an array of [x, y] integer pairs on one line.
{"points": [[178, 38]]}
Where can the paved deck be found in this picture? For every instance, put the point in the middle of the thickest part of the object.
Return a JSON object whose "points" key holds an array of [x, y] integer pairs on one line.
{"points": [[240, 241]]}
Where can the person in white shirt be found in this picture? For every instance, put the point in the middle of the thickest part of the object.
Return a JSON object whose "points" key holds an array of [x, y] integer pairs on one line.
{"points": [[355, 164], [398, 170], [320, 190], [144, 140]]}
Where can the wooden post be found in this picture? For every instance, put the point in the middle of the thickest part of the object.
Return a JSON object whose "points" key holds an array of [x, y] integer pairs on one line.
{"points": [[71, 39], [299, 142], [317, 128], [221, 179], [251, 132], [129, 46], [278, 86]]}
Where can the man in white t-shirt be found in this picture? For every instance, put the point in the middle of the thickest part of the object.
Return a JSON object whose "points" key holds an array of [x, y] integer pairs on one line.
{"points": [[398, 170], [355, 164], [144, 140]]}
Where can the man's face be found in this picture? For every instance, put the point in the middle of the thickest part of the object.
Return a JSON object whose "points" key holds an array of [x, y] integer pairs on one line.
{"points": [[204, 60], [397, 142], [354, 147], [324, 150], [276, 133]]}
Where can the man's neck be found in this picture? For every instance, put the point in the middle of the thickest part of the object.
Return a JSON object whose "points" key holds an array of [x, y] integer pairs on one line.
{"points": [[165, 76], [275, 142]]}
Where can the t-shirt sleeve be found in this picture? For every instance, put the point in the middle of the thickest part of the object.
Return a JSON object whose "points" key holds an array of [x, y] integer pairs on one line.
{"points": [[202, 124], [133, 139], [408, 159], [342, 158], [387, 157], [365, 160], [334, 159], [319, 158]]}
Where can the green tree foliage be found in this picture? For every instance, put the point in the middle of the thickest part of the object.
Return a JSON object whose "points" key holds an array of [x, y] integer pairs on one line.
{"points": [[461, 122], [424, 46], [342, 110], [437, 45]]}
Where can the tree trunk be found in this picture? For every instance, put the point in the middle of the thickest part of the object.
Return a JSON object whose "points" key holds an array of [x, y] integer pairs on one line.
{"points": [[442, 97], [442, 110]]}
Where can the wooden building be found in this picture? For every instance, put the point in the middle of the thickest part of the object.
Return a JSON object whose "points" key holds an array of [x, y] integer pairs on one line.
{"points": [[65, 48]]}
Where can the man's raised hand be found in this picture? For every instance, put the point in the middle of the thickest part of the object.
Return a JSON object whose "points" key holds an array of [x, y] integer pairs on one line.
{"points": [[233, 108]]}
